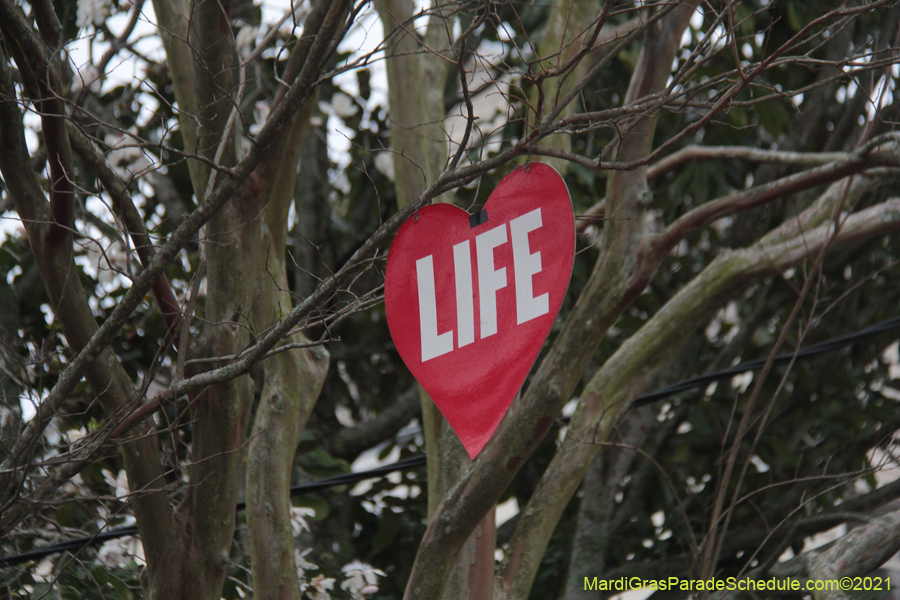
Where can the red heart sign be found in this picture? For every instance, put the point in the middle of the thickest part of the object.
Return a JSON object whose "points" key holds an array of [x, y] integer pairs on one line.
{"points": [[470, 299]]}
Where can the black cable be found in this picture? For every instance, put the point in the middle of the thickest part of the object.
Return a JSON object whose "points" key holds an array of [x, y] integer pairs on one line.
{"points": [[297, 490], [73, 544], [419, 460], [757, 365]]}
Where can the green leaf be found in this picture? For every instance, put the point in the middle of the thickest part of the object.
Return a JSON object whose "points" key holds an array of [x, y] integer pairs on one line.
{"points": [[121, 589], [739, 116], [388, 528], [743, 17], [774, 116], [320, 505], [319, 463], [795, 15]]}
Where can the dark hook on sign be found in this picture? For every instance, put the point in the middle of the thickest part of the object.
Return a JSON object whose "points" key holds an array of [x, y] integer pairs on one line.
{"points": [[479, 218]]}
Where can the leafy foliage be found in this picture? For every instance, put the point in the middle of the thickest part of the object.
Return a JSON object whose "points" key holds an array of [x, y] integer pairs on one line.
{"points": [[826, 425]]}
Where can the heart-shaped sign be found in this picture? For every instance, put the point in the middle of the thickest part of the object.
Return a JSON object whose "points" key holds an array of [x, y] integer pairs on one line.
{"points": [[470, 299]]}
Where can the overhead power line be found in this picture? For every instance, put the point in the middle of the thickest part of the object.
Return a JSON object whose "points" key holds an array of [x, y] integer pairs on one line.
{"points": [[419, 460], [128, 530], [757, 365]]}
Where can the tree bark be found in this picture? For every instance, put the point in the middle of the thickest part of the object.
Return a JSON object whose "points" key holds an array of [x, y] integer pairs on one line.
{"points": [[598, 501], [622, 271]]}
